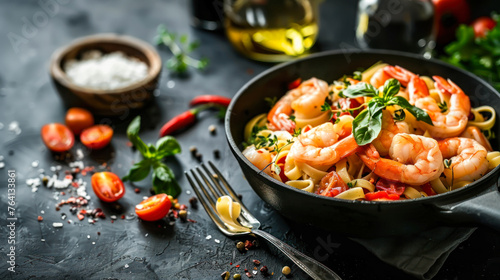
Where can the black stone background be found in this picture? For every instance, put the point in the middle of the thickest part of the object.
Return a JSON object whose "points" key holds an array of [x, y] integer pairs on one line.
{"points": [[130, 248]]}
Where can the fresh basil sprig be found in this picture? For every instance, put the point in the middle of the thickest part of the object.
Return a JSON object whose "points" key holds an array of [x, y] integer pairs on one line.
{"points": [[163, 178], [367, 125]]}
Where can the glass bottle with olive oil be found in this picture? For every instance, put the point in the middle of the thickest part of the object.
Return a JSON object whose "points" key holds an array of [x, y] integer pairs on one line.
{"points": [[271, 30]]}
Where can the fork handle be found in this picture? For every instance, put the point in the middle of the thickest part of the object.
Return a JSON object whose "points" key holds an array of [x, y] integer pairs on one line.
{"points": [[312, 267]]}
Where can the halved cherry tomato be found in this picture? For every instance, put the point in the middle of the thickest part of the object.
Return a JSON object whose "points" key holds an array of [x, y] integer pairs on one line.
{"points": [[107, 186], [482, 25], [97, 136], [57, 137], [381, 195], [281, 164], [78, 119], [331, 185], [427, 188], [154, 207]]}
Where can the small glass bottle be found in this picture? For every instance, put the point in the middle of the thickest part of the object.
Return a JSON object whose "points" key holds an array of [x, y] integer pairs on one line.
{"points": [[396, 25], [271, 30]]}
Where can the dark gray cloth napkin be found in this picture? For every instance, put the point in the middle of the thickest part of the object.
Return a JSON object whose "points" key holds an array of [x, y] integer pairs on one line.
{"points": [[420, 255]]}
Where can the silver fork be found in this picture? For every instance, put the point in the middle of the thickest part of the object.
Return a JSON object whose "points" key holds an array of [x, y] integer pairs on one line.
{"points": [[209, 190]]}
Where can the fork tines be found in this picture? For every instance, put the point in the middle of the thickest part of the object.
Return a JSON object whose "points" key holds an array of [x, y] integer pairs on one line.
{"points": [[209, 190]]}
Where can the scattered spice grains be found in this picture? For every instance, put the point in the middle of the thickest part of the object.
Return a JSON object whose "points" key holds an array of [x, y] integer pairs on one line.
{"points": [[212, 129], [216, 154], [264, 270], [286, 270], [40, 218]]}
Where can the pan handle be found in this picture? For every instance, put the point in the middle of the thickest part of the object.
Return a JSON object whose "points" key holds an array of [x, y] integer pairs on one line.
{"points": [[483, 210]]}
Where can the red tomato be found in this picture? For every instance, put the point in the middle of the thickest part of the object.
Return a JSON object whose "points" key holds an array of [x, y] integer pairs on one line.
{"points": [[78, 119], [107, 186], [153, 208], [331, 185], [449, 14], [295, 84], [427, 188], [57, 137], [97, 136], [380, 195], [391, 187], [482, 25]]}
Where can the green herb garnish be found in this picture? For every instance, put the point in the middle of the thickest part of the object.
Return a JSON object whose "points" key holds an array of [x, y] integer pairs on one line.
{"points": [[180, 62], [163, 178], [367, 125], [480, 56], [443, 106]]}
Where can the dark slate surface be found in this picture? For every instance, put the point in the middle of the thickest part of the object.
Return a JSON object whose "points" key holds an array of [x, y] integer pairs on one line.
{"points": [[130, 248]]}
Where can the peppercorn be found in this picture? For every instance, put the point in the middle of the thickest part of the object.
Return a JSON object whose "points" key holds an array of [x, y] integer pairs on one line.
{"points": [[45, 180], [237, 277], [216, 154], [240, 246], [194, 202], [264, 270], [286, 270], [225, 275], [193, 150], [183, 214]]}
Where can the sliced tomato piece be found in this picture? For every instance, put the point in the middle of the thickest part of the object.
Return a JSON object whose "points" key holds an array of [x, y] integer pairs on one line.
{"points": [[78, 119], [57, 137], [331, 185], [295, 84], [154, 207], [97, 136], [427, 188], [391, 187], [107, 186]]}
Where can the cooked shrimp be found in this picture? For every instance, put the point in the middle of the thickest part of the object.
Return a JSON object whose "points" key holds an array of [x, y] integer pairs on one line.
{"points": [[305, 101], [453, 121], [261, 158], [322, 146], [473, 132], [468, 159], [389, 128], [378, 79], [399, 73], [414, 159]]}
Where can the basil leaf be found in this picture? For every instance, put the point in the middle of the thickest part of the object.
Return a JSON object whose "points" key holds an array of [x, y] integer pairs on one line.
{"points": [[391, 88], [138, 172], [367, 125], [164, 181], [360, 89], [167, 146], [420, 114], [133, 136]]}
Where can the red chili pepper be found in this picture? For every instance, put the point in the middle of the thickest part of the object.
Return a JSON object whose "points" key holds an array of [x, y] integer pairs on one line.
{"points": [[210, 99], [182, 121], [381, 195], [295, 84]]}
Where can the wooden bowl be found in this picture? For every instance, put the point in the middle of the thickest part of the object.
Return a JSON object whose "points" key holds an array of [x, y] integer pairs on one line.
{"points": [[106, 102]]}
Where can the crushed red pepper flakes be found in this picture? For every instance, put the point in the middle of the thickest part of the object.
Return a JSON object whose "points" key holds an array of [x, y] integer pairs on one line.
{"points": [[237, 265], [192, 221], [123, 217], [137, 190], [249, 275], [40, 218]]}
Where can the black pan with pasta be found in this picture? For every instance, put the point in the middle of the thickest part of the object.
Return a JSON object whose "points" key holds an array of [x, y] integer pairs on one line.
{"points": [[477, 203]]}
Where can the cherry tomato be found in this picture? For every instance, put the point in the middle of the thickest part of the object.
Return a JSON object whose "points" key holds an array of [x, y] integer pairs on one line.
{"points": [[107, 186], [78, 119], [97, 136], [482, 25], [449, 14], [381, 195], [57, 137], [331, 185], [153, 208]]}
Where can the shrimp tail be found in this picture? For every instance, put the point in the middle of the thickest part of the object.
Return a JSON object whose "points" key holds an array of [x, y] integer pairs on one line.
{"points": [[399, 73], [381, 166], [279, 116]]}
